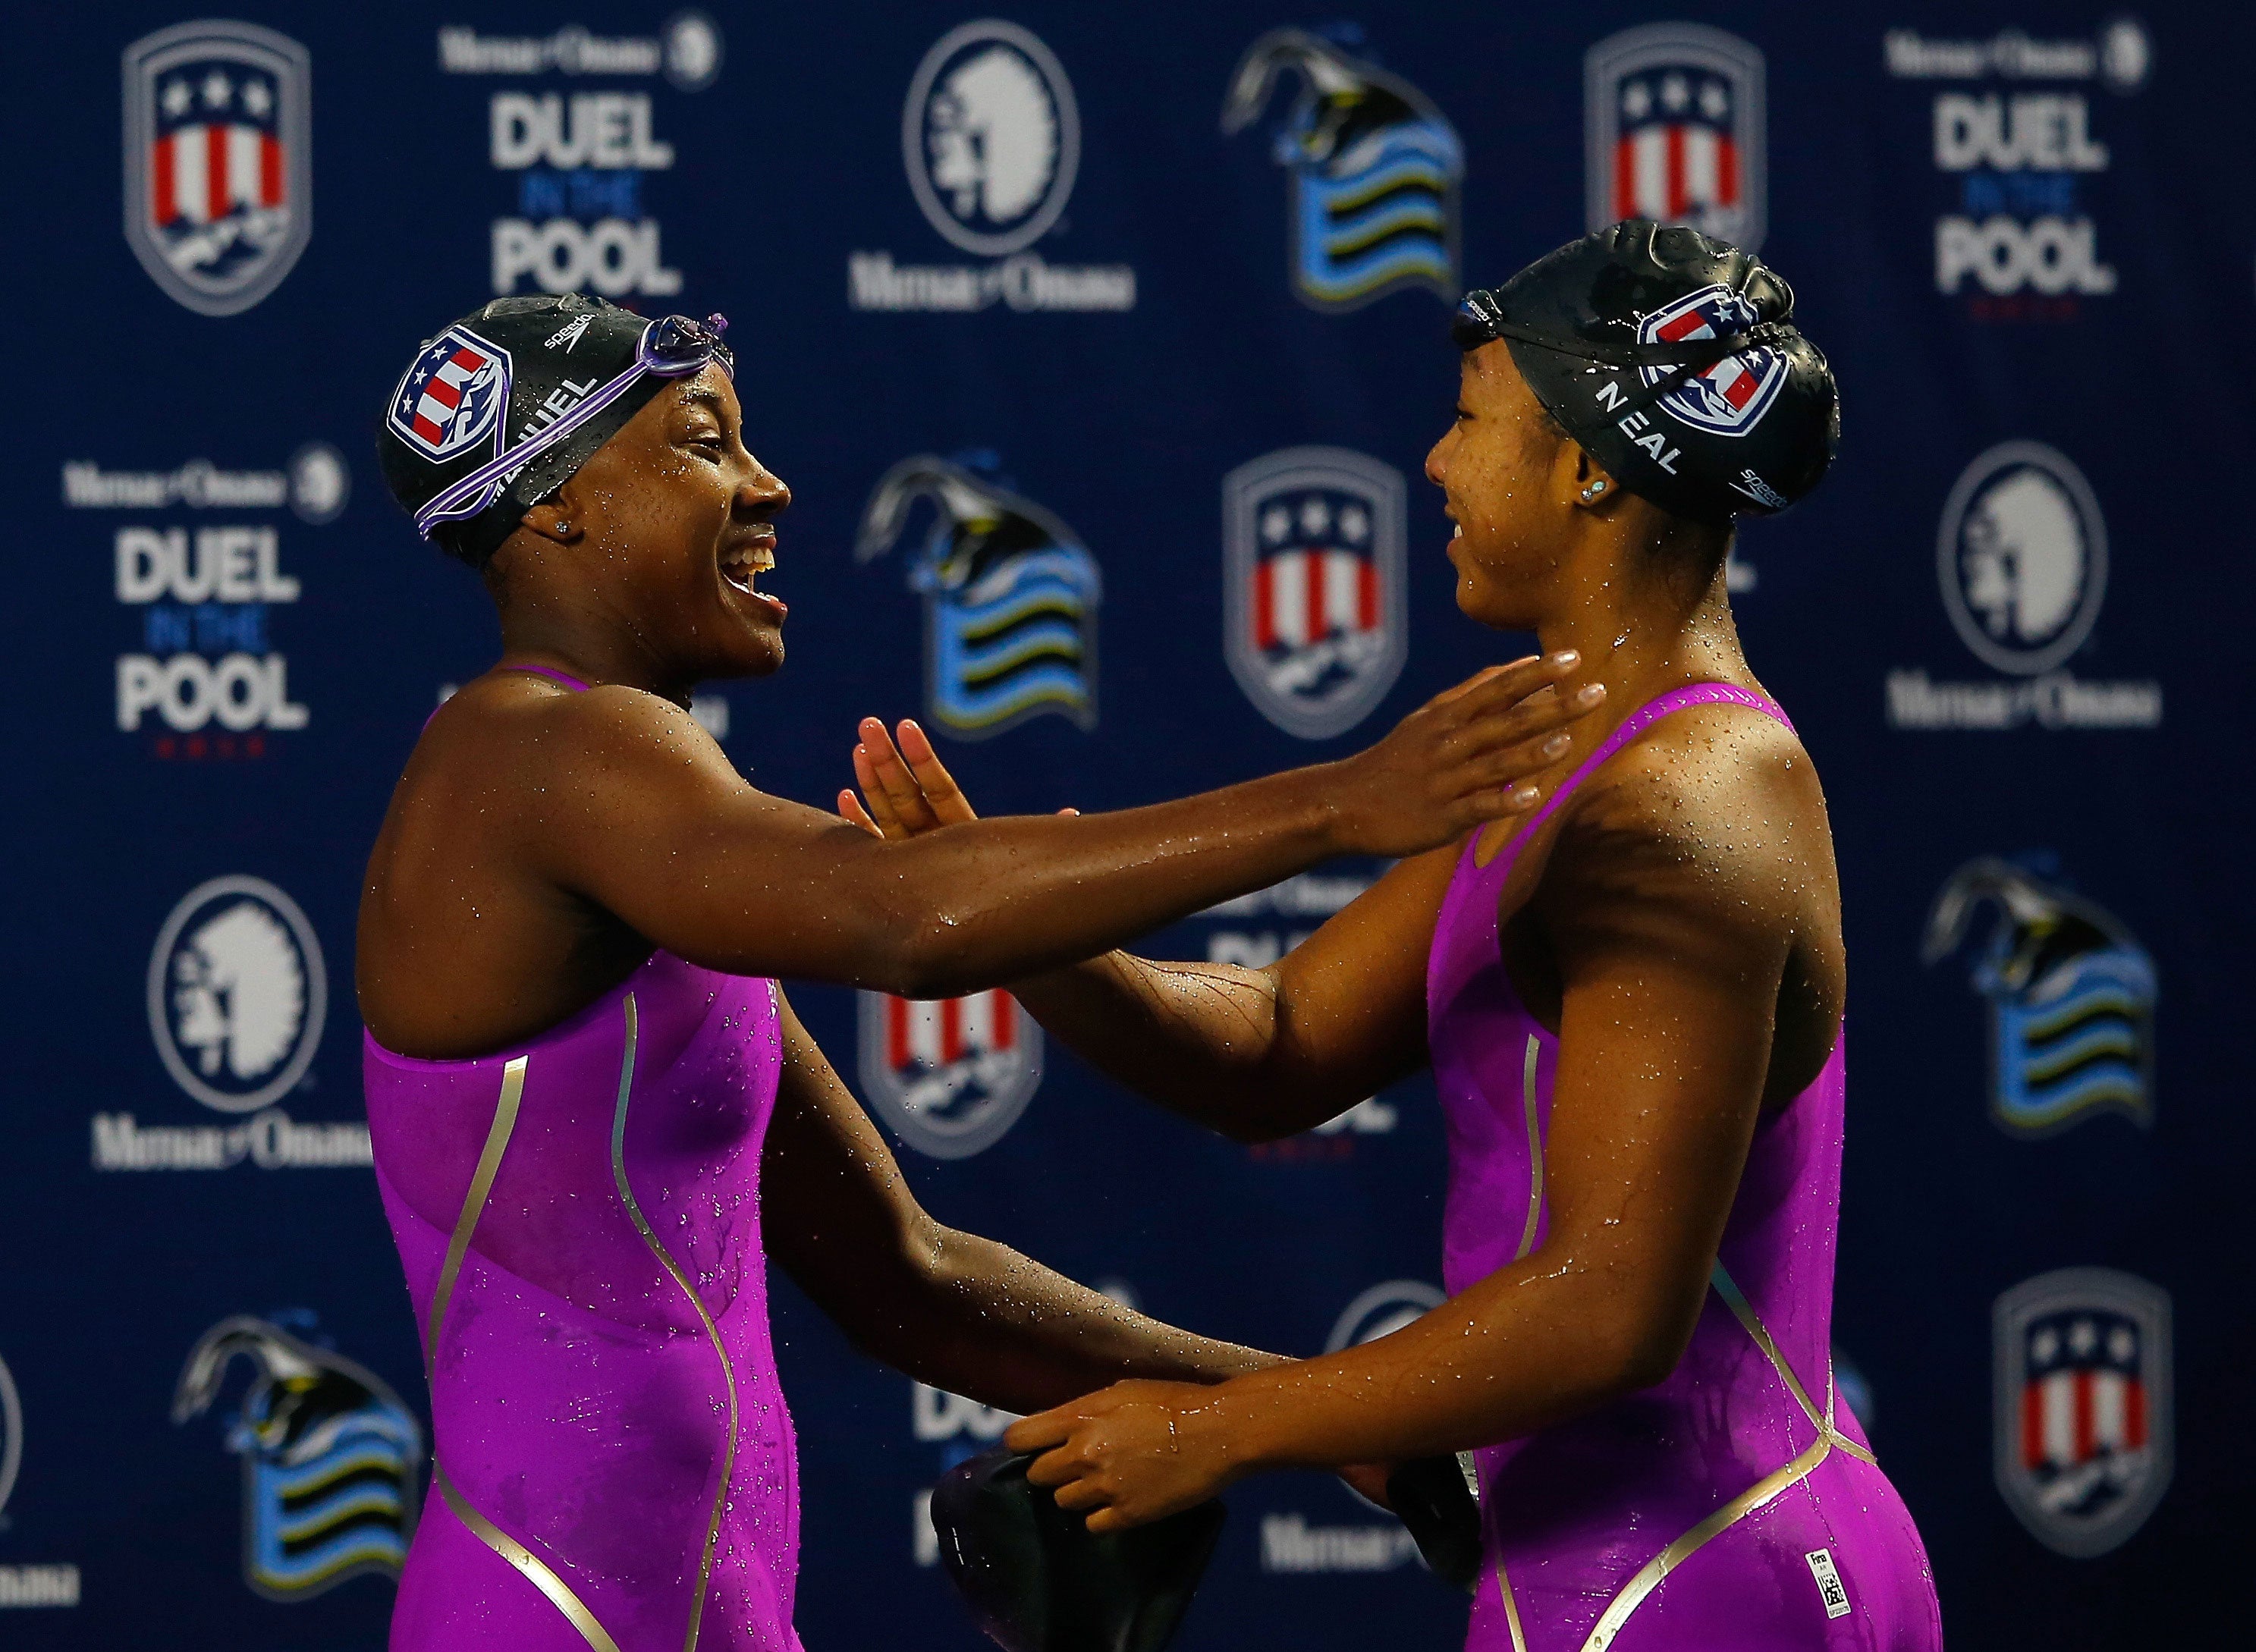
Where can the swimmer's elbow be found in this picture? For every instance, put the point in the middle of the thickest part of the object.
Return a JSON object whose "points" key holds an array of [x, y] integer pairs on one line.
{"points": [[1639, 1344], [920, 956], [1647, 1363]]}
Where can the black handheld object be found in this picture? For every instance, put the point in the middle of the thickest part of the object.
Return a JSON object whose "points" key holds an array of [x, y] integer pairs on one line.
{"points": [[1037, 1580], [1433, 1500]]}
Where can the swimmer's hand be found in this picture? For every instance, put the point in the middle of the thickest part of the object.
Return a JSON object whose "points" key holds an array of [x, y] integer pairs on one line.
{"points": [[908, 787], [1134, 1452], [1465, 758]]}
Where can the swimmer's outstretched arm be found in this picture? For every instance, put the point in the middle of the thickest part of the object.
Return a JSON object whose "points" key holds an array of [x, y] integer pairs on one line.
{"points": [[1256, 1054], [951, 1308], [620, 800]]}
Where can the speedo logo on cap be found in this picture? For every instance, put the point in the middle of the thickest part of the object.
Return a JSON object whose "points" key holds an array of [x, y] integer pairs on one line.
{"points": [[452, 396]]}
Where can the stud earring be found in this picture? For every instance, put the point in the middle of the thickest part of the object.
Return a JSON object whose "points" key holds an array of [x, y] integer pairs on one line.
{"points": [[1594, 490]]}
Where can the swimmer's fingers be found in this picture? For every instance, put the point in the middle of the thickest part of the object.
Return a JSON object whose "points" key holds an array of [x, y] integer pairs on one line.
{"points": [[1495, 686], [943, 796], [1484, 674], [849, 807], [1518, 703], [892, 793], [875, 805]]}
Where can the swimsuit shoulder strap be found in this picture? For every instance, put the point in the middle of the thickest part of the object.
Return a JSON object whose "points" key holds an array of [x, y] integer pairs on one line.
{"points": [[1642, 719]]}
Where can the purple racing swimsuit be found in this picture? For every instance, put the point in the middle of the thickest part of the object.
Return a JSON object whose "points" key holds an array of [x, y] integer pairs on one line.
{"points": [[1735, 1506], [580, 1220]]}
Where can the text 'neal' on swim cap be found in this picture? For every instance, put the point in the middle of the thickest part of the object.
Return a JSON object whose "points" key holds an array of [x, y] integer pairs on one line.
{"points": [[498, 411], [1674, 360]]}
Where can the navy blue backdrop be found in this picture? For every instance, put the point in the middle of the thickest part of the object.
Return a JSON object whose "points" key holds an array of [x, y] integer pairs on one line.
{"points": [[1106, 271]]}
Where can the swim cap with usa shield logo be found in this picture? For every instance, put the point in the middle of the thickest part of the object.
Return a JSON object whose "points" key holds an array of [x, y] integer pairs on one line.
{"points": [[1672, 358]]}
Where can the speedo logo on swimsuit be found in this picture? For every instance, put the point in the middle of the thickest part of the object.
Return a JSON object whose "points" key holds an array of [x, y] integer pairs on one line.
{"points": [[2071, 995], [1011, 595], [331, 1458], [1374, 165]]}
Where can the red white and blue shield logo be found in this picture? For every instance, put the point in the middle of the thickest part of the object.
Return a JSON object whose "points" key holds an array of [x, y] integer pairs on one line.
{"points": [[1673, 122], [451, 396], [1731, 398], [2082, 1448], [1315, 610], [949, 1075], [218, 161]]}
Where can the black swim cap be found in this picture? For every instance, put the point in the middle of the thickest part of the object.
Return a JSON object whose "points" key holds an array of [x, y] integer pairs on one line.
{"points": [[496, 412], [1037, 1579], [1672, 358]]}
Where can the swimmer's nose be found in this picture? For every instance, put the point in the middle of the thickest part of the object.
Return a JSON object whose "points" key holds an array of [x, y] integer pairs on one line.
{"points": [[765, 495]]}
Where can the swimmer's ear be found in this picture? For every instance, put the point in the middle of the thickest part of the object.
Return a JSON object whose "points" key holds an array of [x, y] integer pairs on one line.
{"points": [[556, 517], [1594, 489]]}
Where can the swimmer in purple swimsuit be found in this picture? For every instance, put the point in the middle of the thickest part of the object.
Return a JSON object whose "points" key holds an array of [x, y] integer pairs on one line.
{"points": [[1631, 1006], [595, 1118]]}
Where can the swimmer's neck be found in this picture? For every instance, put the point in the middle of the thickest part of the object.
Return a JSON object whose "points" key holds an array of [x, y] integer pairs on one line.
{"points": [[1642, 632], [579, 634]]}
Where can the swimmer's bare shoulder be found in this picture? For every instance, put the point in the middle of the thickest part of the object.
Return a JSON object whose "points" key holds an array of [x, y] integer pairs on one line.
{"points": [[1701, 855]]}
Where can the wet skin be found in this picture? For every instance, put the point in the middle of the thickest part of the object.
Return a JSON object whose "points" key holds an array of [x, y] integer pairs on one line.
{"points": [[1676, 924], [542, 842]]}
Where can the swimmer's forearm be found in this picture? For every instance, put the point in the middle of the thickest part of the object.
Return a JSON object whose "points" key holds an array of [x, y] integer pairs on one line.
{"points": [[1195, 1038], [1535, 1344], [1001, 1329], [975, 905], [1263, 1054]]}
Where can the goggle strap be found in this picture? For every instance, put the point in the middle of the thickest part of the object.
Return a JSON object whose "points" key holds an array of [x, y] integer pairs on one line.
{"points": [[475, 492]]}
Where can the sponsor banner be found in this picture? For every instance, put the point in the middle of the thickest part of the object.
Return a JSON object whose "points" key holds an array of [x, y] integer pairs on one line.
{"points": [[51, 1584], [990, 140], [948, 1076], [1374, 169], [218, 161], [1011, 595], [2022, 560], [2084, 1431], [1315, 603], [2071, 995], [236, 997], [689, 53], [208, 680], [580, 160], [1674, 130], [2017, 136], [332, 1460]]}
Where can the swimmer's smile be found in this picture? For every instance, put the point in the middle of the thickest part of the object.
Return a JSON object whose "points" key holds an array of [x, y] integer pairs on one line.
{"points": [[743, 561]]}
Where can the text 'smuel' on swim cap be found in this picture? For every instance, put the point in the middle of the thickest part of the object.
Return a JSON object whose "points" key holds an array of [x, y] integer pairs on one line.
{"points": [[500, 408], [1674, 360]]}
